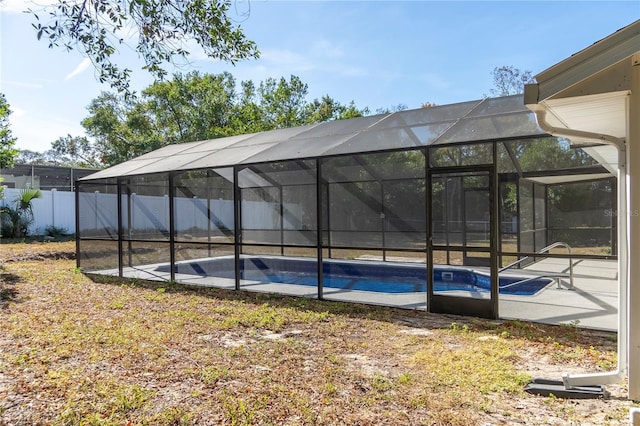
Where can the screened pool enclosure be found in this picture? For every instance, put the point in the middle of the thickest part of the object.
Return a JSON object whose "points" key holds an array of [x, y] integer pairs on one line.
{"points": [[467, 208]]}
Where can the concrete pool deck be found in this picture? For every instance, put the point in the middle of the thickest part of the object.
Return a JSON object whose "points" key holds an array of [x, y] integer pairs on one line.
{"points": [[591, 303]]}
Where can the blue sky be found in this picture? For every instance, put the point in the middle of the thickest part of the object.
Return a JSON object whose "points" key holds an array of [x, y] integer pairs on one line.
{"points": [[376, 53]]}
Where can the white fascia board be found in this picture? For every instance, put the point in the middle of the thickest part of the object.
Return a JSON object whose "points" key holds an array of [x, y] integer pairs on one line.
{"points": [[588, 62]]}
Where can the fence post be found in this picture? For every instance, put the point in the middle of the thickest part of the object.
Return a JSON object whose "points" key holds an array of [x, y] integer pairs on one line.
{"points": [[132, 209], [167, 208], [195, 214], [95, 209], [53, 206]]}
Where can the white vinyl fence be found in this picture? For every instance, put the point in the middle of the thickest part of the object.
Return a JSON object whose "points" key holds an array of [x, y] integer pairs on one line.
{"points": [[152, 213], [55, 208]]}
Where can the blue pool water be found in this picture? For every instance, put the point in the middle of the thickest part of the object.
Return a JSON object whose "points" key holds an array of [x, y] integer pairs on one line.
{"points": [[353, 275]]}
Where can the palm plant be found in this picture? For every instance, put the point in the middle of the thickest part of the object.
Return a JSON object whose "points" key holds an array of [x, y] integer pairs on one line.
{"points": [[16, 220]]}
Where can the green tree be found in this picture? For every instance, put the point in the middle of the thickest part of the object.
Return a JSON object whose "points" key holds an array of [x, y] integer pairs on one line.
{"points": [[185, 109], [351, 111], [27, 156], [121, 128], [282, 102], [248, 116], [74, 151], [328, 109], [393, 108], [508, 80], [163, 29], [322, 110], [196, 107], [8, 152], [191, 107], [549, 154]]}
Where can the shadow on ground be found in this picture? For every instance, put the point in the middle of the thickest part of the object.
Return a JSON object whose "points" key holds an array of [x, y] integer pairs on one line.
{"points": [[8, 292]]}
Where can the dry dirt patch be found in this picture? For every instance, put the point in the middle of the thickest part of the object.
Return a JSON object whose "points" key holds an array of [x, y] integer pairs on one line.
{"points": [[37, 250]]}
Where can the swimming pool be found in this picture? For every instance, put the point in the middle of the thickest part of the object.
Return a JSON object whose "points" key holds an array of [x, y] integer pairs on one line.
{"points": [[383, 277]]}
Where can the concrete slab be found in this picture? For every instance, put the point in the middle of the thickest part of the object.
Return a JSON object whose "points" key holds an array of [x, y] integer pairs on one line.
{"points": [[591, 302]]}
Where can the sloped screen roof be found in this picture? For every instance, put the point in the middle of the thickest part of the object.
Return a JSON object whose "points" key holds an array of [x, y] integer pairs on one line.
{"points": [[481, 120]]}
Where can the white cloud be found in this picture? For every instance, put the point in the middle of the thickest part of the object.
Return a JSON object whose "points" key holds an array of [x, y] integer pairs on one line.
{"points": [[19, 6], [321, 58], [15, 6], [326, 49], [196, 53], [287, 59], [22, 84], [82, 66]]}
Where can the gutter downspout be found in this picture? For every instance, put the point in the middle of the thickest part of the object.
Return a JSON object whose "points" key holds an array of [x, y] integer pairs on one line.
{"points": [[620, 373], [634, 416]]}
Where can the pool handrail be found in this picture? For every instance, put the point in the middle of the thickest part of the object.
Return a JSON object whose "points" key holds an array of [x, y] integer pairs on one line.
{"points": [[541, 251]]}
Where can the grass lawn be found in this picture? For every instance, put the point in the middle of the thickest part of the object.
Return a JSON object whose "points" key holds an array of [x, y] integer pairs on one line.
{"points": [[116, 352]]}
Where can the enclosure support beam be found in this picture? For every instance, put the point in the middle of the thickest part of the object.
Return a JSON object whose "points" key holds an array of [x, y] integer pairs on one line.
{"points": [[281, 214], [429, 234], [172, 228], [319, 231], [494, 227], [77, 205], [236, 226], [209, 212], [120, 229], [130, 198]]}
